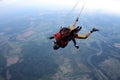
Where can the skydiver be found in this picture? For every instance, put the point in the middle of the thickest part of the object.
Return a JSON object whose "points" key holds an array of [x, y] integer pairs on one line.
{"points": [[67, 34]]}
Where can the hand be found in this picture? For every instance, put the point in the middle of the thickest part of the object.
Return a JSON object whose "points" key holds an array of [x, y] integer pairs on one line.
{"points": [[77, 19], [50, 37], [79, 27]]}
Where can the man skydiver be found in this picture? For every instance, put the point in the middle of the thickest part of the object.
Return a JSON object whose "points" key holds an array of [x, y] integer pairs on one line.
{"points": [[67, 34]]}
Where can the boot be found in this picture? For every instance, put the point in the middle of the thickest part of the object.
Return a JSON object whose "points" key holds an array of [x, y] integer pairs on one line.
{"points": [[76, 46], [94, 30]]}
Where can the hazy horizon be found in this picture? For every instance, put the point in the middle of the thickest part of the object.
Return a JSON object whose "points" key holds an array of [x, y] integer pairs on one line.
{"points": [[91, 6]]}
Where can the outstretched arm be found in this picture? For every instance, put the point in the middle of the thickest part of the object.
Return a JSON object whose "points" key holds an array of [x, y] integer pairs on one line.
{"points": [[52, 37], [74, 24]]}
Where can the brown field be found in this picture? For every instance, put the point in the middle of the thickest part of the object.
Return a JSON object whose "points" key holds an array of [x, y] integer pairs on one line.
{"points": [[25, 35], [12, 60]]}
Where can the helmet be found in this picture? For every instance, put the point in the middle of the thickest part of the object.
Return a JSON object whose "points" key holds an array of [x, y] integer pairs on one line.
{"points": [[65, 31]]}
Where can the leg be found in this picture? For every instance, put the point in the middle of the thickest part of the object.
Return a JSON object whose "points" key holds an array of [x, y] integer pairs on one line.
{"points": [[86, 35], [83, 36], [74, 41]]}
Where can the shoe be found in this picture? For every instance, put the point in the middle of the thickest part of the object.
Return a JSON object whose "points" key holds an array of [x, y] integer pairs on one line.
{"points": [[77, 46], [94, 30]]}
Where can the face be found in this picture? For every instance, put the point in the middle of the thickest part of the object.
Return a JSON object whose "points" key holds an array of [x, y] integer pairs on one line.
{"points": [[55, 47]]}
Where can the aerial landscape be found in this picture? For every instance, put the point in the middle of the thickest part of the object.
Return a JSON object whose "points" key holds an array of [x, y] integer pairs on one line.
{"points": [[26, 53]]}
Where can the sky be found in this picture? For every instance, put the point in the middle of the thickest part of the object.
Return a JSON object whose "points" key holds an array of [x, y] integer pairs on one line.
{"points": [[107, 6]]}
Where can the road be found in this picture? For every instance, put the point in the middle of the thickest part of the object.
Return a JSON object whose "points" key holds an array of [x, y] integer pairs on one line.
{"points": [[100, 74]]}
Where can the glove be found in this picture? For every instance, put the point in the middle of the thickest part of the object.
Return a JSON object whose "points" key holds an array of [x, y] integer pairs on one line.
{"points": [[50, 37], [77, 19], [79, 27]]}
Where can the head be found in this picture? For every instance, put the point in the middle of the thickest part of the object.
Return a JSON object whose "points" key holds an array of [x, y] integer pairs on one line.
{"points": [[65, 31], [56, 46]]}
